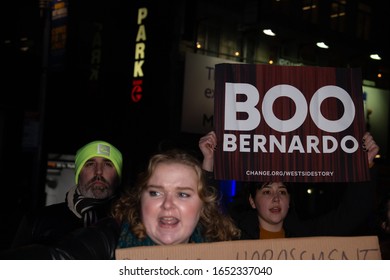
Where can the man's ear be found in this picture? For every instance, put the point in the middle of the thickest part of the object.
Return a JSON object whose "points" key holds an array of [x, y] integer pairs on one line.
{"points": [[252, 202]]}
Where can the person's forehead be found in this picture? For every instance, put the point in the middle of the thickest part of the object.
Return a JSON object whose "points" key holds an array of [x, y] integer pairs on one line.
{"points": [[274, 184]]}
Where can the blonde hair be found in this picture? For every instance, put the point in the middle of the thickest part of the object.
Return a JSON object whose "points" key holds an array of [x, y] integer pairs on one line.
{"points": [[215, 225]]}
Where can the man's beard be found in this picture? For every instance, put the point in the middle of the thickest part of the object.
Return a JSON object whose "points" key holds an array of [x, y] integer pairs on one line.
{"points": [[97, 187]]}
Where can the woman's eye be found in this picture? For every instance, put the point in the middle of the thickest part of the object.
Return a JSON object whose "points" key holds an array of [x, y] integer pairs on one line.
{"points": [[153, 193], [183, 194]]}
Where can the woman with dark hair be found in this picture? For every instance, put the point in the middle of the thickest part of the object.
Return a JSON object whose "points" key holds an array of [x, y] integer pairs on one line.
{"points": [[270, 214], [271, 201]]}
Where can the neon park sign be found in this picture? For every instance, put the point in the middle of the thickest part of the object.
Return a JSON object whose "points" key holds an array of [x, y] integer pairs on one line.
{"points": [[139, 56]]}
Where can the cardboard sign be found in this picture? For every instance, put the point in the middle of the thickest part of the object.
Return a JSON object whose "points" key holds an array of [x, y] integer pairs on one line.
{"points": [[310, 248], [289, 123]]}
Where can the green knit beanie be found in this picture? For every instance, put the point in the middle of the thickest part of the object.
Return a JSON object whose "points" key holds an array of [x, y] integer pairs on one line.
{"points": [[98, 149]]}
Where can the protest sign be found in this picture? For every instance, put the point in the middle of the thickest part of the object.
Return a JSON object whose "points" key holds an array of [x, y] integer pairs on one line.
{"points": [[289, 123], [308, 248]]}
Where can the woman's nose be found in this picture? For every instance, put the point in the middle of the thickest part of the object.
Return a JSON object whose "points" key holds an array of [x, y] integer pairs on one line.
{"points": [[168, 202], [276, 197]]}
